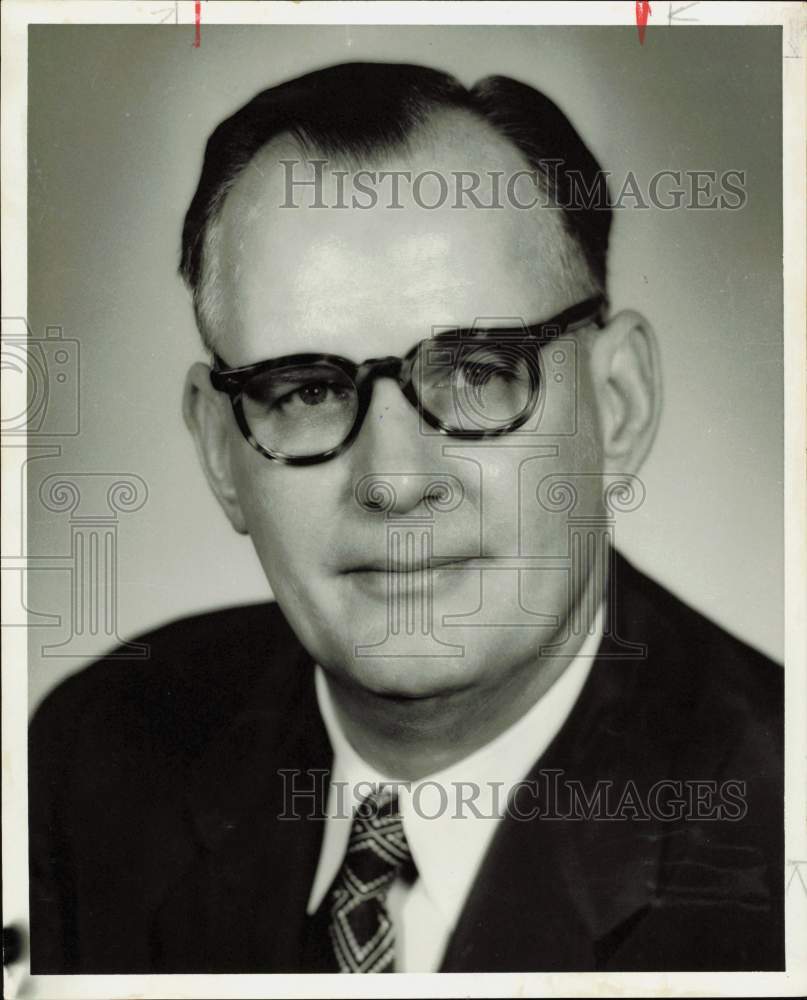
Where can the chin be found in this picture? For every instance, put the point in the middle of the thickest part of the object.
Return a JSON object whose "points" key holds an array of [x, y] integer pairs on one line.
{"points": [[403, 676]]}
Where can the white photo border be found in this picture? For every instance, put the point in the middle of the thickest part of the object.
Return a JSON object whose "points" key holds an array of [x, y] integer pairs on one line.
{"points": [[17, 15]]}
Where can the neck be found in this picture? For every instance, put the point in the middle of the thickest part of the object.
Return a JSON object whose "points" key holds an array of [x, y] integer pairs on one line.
{"points": [[408, 738]]}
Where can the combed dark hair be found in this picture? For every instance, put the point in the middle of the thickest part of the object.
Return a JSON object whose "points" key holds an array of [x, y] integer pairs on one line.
{"points": [[362, 109]]}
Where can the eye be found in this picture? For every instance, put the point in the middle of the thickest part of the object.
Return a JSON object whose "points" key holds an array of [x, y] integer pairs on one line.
{"points": [[297, 390], [489, 362], [479, 372], [312, 394], [483, 365]]}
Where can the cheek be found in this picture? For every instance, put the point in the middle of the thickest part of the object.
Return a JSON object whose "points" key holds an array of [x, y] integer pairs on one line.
{"points": [[558, 489], [582, 453], [284, 508], [571, 420]]}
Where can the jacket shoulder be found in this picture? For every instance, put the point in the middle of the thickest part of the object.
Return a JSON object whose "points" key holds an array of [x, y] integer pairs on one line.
{"points": [[707, 687], [678, 631], [197, 673]]}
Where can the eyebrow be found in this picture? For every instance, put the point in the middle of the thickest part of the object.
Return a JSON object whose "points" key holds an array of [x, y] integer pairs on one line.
{"points": [[297, 372]]}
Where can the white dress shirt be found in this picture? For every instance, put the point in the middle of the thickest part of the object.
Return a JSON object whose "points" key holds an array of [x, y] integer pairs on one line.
{"points": [[447, 836]]}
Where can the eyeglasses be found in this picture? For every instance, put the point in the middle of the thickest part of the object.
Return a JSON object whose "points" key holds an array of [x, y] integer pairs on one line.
{"points": [[303, 409]]}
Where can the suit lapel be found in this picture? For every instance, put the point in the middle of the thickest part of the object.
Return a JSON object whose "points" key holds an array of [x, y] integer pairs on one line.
{"points": [[556, 893], [256, 800]]}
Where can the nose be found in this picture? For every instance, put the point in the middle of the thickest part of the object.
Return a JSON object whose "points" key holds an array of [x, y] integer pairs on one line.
{"points": [[394, 462]]}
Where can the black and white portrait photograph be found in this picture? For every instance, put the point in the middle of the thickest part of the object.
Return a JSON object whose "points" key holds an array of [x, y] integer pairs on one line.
{"points": [[404, 499]]}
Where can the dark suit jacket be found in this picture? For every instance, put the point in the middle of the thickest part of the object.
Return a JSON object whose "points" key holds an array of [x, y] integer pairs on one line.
{"points": [[155, 792]]}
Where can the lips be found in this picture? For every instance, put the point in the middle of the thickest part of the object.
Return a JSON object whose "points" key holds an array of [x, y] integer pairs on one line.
{"points": [[382, 581], [412, 566]]}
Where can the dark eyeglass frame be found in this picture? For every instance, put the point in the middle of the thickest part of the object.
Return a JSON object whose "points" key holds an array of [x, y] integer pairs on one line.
{"points": [[233, 381]]}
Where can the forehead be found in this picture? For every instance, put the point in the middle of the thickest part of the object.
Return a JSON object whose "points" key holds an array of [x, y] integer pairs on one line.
{"points": [[357, 281]]}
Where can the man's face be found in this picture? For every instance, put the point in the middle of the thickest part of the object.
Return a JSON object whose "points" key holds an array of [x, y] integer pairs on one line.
{"points": [[370, 283]]}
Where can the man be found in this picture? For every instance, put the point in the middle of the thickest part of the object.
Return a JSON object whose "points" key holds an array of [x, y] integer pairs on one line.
{"points": [[469, 736]]}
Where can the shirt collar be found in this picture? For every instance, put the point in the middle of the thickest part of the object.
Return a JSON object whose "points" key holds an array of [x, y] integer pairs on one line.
{"points": [[447, 824]]}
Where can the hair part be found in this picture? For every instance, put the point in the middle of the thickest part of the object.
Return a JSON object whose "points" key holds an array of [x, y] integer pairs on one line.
{"points": [[363, 110]]}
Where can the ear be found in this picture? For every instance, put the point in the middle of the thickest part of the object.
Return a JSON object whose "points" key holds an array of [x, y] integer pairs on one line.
{"points": [[627, 385], [209, 418]]}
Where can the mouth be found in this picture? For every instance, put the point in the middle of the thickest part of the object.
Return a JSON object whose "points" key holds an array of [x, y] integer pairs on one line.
{"points": [[404, 567], [383, 580]]}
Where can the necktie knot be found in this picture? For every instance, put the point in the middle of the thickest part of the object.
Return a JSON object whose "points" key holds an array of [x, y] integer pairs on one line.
{"points": [[377, 849], [361, 931]]}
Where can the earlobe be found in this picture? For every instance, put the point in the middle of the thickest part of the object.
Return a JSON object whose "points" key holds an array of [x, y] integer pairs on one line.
{"points": [[627, 383], [207, 416]]}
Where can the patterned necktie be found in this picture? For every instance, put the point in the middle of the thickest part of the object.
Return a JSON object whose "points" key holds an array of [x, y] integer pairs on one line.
{"points": [[361, 931]]}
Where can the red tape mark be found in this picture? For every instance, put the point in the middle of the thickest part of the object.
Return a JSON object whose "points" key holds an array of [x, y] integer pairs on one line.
{"points": [[643, 11], [197, 40]]}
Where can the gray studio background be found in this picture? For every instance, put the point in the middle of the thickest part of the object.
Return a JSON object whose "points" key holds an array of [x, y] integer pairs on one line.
{"points": [[118, 118]]}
